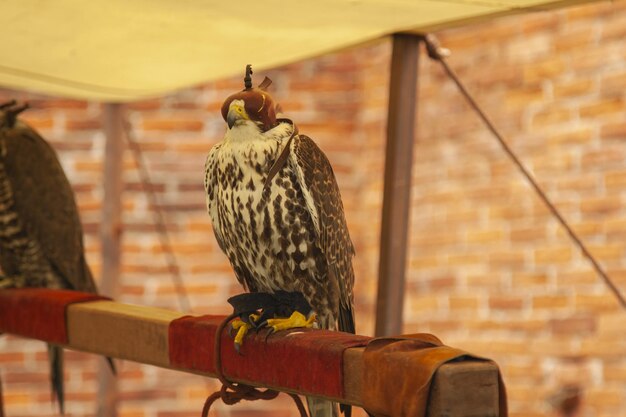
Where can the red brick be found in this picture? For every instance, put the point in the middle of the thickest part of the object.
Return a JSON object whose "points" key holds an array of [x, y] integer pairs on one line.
{"points": [[611, 325], [528, 234], [615, 227], [579, 38], [607, 251], [579, 136], [529, 280], [503, 302], [600, 205], [541, 21], [552, 115], [143, 105], [423, 303], [39, 122], [460, 302], [17, 357], [567, 279], [578, 326], [541, 70], [124, 411], [64, 104], [477, 236], [440, 283], [525, 95], [24, 377], [83, 124], [605, 398], [172, 124], [613, 84], [614, 29], [588, 12], [598, 303], [616, 131], [551, 302], [553, 255], [195, 147], [10, 399], [604, 107], [615, 372]]}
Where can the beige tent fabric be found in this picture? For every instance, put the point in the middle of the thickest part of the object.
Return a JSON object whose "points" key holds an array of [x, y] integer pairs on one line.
{"points": [[125, 50]]}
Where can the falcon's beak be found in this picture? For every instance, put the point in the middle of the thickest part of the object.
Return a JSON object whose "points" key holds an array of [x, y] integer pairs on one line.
{"points": [[231, 118], [235, 112]]}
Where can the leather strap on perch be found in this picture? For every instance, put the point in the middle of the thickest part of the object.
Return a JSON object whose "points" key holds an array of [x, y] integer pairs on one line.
{"points": [[232, 393], [423, 354]]}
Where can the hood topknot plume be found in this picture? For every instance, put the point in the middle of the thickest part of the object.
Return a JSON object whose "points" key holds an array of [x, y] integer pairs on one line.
{"points": [[259, 105]]}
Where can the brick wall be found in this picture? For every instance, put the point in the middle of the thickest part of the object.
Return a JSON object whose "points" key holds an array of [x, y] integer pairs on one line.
{"points": [[489, 269]]}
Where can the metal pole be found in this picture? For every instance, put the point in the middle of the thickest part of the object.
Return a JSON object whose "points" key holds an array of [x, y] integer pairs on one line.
{"points": [[397, 191], [111, 233]]}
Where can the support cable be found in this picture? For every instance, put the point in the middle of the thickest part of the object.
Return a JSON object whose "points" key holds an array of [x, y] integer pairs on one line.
{"points": [[436, 52], [159, 219]]}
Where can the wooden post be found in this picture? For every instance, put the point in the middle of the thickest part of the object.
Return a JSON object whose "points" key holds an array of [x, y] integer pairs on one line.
{"points": [[397, 191], [110, 233]]}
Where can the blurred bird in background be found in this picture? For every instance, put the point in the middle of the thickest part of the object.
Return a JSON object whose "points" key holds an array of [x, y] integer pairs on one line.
{"points": [[41, 237]]}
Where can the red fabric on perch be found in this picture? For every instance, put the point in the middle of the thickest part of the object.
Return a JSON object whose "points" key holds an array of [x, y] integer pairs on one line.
{"points": [[39, 313], [301, 359]]}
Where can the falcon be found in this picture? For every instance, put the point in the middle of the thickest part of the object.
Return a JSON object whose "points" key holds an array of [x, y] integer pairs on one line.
{"points": [[41, 238], [277, 214]]}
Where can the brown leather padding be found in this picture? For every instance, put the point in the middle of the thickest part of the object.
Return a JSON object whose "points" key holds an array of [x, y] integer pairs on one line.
{"points": [[421, 355]]}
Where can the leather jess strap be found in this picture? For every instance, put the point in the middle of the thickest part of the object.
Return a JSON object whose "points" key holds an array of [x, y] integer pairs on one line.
{"points": [[284, 154]]}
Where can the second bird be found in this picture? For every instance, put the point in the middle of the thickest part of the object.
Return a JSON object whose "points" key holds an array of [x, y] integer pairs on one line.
{"points": [[41, 237]]}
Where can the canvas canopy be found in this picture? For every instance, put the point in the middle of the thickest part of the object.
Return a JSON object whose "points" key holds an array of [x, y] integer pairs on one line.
{"points": [[125, 50]]}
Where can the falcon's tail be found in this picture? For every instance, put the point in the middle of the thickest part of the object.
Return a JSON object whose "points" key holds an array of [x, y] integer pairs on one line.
{"points": [[1, 400], [55, 355], [322, 408], [346, 324]]}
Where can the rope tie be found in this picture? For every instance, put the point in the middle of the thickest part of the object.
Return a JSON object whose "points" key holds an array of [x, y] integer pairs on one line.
{"points": [[159, 217], [232, 392], [437, 53]]}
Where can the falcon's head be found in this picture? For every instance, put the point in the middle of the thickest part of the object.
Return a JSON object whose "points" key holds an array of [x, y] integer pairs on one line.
{"points": [[8, 118], [251, 105], [9, 112]]}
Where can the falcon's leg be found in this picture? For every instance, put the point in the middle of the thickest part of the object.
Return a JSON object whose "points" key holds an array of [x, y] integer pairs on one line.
{"points": [[296, 320]]}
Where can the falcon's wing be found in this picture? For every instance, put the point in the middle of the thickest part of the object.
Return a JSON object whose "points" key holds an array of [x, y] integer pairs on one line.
{"points": [[323, 200], [45, 201]]}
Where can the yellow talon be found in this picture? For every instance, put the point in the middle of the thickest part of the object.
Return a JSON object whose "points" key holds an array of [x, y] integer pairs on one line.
{"points": [[242, 329], [296, 320]]}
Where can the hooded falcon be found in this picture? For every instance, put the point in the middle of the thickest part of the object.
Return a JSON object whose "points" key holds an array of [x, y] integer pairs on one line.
{"points": [[41, 238], [277, 212]]}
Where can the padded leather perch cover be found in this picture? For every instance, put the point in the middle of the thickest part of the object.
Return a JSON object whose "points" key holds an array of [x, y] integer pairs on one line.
{"points": [[422, 354], [311, 361], [39, 313]]}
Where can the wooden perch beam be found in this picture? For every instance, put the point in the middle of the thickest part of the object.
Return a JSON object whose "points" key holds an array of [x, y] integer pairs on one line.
{"points": [[142, 334]]}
